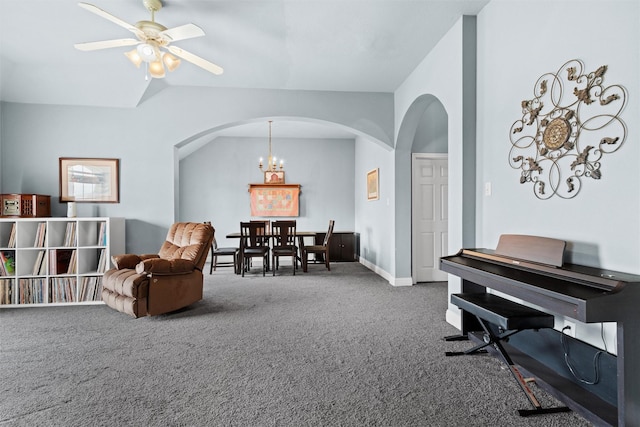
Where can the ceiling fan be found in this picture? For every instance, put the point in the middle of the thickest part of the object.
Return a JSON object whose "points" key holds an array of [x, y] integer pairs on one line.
{"points": [[151, 38]]}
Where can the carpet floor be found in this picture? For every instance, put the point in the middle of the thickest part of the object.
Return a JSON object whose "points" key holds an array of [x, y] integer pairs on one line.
{"points": [[339, 348]]}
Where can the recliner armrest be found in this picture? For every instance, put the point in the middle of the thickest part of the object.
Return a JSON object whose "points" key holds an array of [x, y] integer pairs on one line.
{"points": [[165, 266], [129, 261]]}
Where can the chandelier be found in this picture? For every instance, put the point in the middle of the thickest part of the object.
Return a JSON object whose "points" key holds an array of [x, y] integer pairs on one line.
{"points": [[271, 160]]}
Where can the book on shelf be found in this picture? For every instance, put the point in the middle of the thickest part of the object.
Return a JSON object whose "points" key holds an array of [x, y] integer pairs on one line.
{"points": [[39, 266], [70, 234], [102, 261], [40, 235], [30, 291], [91, 289], [102, 234], [62, 289], [43, 265], [5, 291], [7, 263], [12, 236], [62, 261], [73, 262]]}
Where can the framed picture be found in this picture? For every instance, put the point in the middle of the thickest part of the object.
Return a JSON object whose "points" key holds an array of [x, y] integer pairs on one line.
{"points": [[274, 177], [372, 185], [89, 180]]}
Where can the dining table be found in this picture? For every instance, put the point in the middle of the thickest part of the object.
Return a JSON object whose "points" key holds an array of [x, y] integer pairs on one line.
{"points": [[299, 234]]}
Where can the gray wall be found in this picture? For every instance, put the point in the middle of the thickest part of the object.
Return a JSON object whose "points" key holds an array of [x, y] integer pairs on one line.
{"points": [[375, 218], [602, 220], [432, 132], [145, 139], [601, 223], [214, 181]]}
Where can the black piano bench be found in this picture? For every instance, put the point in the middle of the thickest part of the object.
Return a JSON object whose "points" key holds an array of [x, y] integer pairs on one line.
{"points": [[510, 318]]}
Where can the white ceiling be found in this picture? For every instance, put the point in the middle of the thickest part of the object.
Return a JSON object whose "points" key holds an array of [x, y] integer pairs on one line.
{"points": [[329, 45]]}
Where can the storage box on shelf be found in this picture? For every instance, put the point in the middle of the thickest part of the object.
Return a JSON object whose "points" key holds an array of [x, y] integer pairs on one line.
{"points": [[56, 261]]}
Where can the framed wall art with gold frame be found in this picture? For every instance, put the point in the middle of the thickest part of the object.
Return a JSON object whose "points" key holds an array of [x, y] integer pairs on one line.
{"points": [[274, 177], [89, 180], [373, 185]]}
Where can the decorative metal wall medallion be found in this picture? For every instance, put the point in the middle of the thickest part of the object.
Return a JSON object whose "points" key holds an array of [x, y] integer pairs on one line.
{"points": [[572, 121]]}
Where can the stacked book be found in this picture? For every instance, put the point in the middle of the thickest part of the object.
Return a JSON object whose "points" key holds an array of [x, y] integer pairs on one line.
{"points": [[7, 263], [62, 261], [40, 234], [70, 235], [40, 265], [5, 291], [30, 291], [91, 289], [102, 234], [102, 261], [63, 289], [12, 236]]}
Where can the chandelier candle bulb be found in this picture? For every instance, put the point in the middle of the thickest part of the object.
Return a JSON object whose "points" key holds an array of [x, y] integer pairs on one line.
{"points": [[272, 174]]}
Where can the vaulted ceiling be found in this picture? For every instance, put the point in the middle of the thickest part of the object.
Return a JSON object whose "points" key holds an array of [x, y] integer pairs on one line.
{"points": [[326, 45], [348, 45]]}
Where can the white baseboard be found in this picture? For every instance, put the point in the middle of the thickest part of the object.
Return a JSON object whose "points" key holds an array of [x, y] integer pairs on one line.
{"points": [[453, 318], [402, 281], [393, 281]]}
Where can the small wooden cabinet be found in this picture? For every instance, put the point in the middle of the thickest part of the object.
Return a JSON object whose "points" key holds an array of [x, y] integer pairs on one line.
{"points": [[25, 205], [343, 247]]}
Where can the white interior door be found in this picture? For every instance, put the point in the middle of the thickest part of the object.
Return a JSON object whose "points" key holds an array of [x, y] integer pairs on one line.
{"points": [[429, 216]]}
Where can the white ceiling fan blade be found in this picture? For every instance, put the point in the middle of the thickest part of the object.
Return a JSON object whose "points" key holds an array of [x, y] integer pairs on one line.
{"points": [[110, 17], [105, 44], [183, 32], [196, 60]]}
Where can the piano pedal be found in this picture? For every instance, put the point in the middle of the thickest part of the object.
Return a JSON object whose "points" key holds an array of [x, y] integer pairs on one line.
{"points": [[542, 411], [462, 353], [456, 338]]}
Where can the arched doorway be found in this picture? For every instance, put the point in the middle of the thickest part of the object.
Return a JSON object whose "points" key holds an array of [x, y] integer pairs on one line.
{"points": [[424, 130]]}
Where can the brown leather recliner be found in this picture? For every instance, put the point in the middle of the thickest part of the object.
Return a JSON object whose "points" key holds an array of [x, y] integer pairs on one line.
{"points": [[151, 284]]}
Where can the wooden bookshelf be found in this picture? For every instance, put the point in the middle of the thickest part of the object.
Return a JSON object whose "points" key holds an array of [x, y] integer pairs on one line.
{"points": [[56, 261]]}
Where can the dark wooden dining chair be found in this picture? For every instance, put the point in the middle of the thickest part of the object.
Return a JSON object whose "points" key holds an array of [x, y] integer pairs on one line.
{"points": [[223, 252], [254, 243], [267, 224], [318, 249], [283, 244]]}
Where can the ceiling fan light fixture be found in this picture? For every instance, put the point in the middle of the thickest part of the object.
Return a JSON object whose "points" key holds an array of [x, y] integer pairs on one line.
{"points": [[156, 69], [147, 52], [151, 37], [134, 57], [170, 61]]}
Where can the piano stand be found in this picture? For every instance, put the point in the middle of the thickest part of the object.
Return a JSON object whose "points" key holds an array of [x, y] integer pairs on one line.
{"points": [[456, 338], [510, 318]]}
